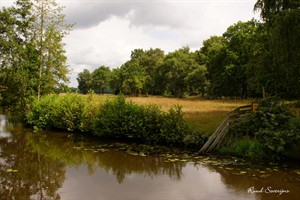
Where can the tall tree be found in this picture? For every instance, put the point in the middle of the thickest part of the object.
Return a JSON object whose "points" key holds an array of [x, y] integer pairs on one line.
{"points": [[230, 61], [175, 68], [18, 54], [151, 60], [85, 81], [32, 52], [282, 19], [240, 39], [101, 79], [196, 81], [218, 57], [50, 29], [269, 8], [116, 80], [133, 78]]}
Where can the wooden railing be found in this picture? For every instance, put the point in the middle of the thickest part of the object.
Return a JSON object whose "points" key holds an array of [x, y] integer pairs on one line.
{"points": [[223, 128]]}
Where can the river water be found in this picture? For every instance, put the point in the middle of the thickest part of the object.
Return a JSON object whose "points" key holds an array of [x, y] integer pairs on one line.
{"points": [[57, 165]]}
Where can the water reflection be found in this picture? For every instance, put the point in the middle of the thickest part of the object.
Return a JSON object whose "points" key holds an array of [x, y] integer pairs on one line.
{"points": [[119, 163], [3, 125], [27, 175], [59, 166]]}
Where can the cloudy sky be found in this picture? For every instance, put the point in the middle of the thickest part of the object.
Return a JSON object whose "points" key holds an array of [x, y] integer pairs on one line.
{"points": [[106, 31]]}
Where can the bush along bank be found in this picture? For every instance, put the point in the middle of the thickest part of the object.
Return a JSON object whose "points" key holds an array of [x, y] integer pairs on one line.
{"points": [[271, 133], [115, 119]]}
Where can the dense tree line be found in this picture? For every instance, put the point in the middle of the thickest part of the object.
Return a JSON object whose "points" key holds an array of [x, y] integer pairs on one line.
{"points": [[251, 59], [33, 60], [254, 58]]}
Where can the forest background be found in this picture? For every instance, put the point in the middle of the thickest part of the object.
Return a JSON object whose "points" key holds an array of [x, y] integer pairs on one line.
{"points": [[251, 59]]}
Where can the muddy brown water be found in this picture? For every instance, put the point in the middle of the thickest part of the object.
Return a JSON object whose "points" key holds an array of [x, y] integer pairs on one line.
{"points": [[61, 166]]}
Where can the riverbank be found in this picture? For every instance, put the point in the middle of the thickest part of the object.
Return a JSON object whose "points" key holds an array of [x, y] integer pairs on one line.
{"points": [[260, 135], [115, 118]]}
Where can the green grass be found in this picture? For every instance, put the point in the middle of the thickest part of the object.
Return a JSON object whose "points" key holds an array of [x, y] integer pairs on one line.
{"points": [[205, 122]]}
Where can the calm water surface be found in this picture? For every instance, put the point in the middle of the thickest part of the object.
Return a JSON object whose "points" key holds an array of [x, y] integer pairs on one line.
{"points": [[62, 166]]}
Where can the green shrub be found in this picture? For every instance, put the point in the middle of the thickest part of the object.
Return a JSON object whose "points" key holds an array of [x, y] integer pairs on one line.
{"points": [[118, 119], [126, 120], [57, 112], [113, 119], [271, 125], [67, 112], [40, 113], [174, 128], [195, 140], [89, 111], [248, 148], [269, 116]]}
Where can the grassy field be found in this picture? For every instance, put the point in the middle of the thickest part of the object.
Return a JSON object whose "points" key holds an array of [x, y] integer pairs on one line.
{"points": [[204, 115]]}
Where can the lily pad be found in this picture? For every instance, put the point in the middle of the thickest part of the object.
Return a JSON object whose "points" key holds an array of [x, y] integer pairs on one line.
{"points": [[132, 153], [173, 160], [265, 176], [142, 154], [11, 170]]}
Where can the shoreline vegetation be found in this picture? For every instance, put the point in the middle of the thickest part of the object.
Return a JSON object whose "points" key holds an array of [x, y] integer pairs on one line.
{"points": [[271, 133]]}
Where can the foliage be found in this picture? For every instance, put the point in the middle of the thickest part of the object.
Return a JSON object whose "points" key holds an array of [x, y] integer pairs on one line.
{"points": [[72, 112], [281, 46], [100, 79], [54, 112], [115, 118], [40, 115], [197, 81], [85, 81], [175, 69], [126, 120], [17, 79], [67, 112], [150, 60], [134, 77], [247, 148], [90, 109], [195, 140], [33, 60], [271, 125], [49, 29], [229, 60]]}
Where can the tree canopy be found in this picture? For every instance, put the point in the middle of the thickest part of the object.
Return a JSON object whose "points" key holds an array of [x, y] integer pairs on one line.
{"points": [[33, 60]]}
